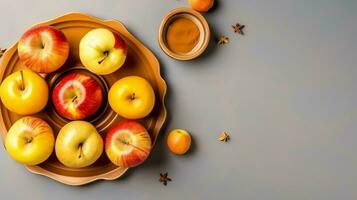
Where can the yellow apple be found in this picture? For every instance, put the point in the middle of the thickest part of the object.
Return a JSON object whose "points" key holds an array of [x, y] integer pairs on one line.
{"points": [[132, 97], [30, 141], [24, 92], [78, 144], [102, 51]]}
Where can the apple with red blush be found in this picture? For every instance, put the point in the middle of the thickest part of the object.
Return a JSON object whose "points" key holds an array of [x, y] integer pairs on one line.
{"points": [[43, 49], [77, 96], [128, 144]]}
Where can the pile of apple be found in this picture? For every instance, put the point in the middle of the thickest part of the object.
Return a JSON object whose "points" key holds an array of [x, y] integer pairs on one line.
{"points": [[76, 97]]}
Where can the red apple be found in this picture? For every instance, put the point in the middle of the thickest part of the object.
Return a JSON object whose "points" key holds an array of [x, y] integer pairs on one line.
{"points": [[77, 96], [127, 144], [43, 49]]}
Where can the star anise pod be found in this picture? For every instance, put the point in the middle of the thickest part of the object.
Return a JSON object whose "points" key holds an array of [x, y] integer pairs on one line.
{"points": [[238, 28], [224, 137], [164, 178], [2, 51], [222, 40]]}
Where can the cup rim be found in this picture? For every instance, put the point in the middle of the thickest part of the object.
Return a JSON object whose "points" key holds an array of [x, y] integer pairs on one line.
{"points": [[197, 51]]}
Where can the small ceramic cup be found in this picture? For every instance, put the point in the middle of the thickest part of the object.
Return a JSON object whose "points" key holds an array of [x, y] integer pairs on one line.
{"points": [[202, 25]]}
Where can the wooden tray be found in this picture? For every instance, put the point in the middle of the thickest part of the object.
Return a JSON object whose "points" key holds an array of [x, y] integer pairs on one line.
{"points": [[140, 61]]}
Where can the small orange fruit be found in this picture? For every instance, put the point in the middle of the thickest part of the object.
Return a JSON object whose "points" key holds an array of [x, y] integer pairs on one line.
{"points": [[179, 141], [201, 5]]}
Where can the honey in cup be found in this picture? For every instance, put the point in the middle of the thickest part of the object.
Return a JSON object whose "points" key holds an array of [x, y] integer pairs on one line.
{"points": [[182, 35]]}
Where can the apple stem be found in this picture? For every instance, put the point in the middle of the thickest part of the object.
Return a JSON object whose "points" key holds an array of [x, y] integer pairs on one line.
{"points": [[124, 141], [22, 81], [74, 98], [106, 53], [28, 140], [132, 96], [80, 150]]}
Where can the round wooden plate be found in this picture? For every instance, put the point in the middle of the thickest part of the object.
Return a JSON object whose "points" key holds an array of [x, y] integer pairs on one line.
{"points": [[140, 61]]}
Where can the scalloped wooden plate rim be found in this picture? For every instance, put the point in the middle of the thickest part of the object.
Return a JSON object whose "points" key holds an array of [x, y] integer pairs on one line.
{"points": [[78, 181]]}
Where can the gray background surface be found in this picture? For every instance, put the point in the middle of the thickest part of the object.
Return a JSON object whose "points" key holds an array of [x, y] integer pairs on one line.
{"points": [[286, 92]]}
